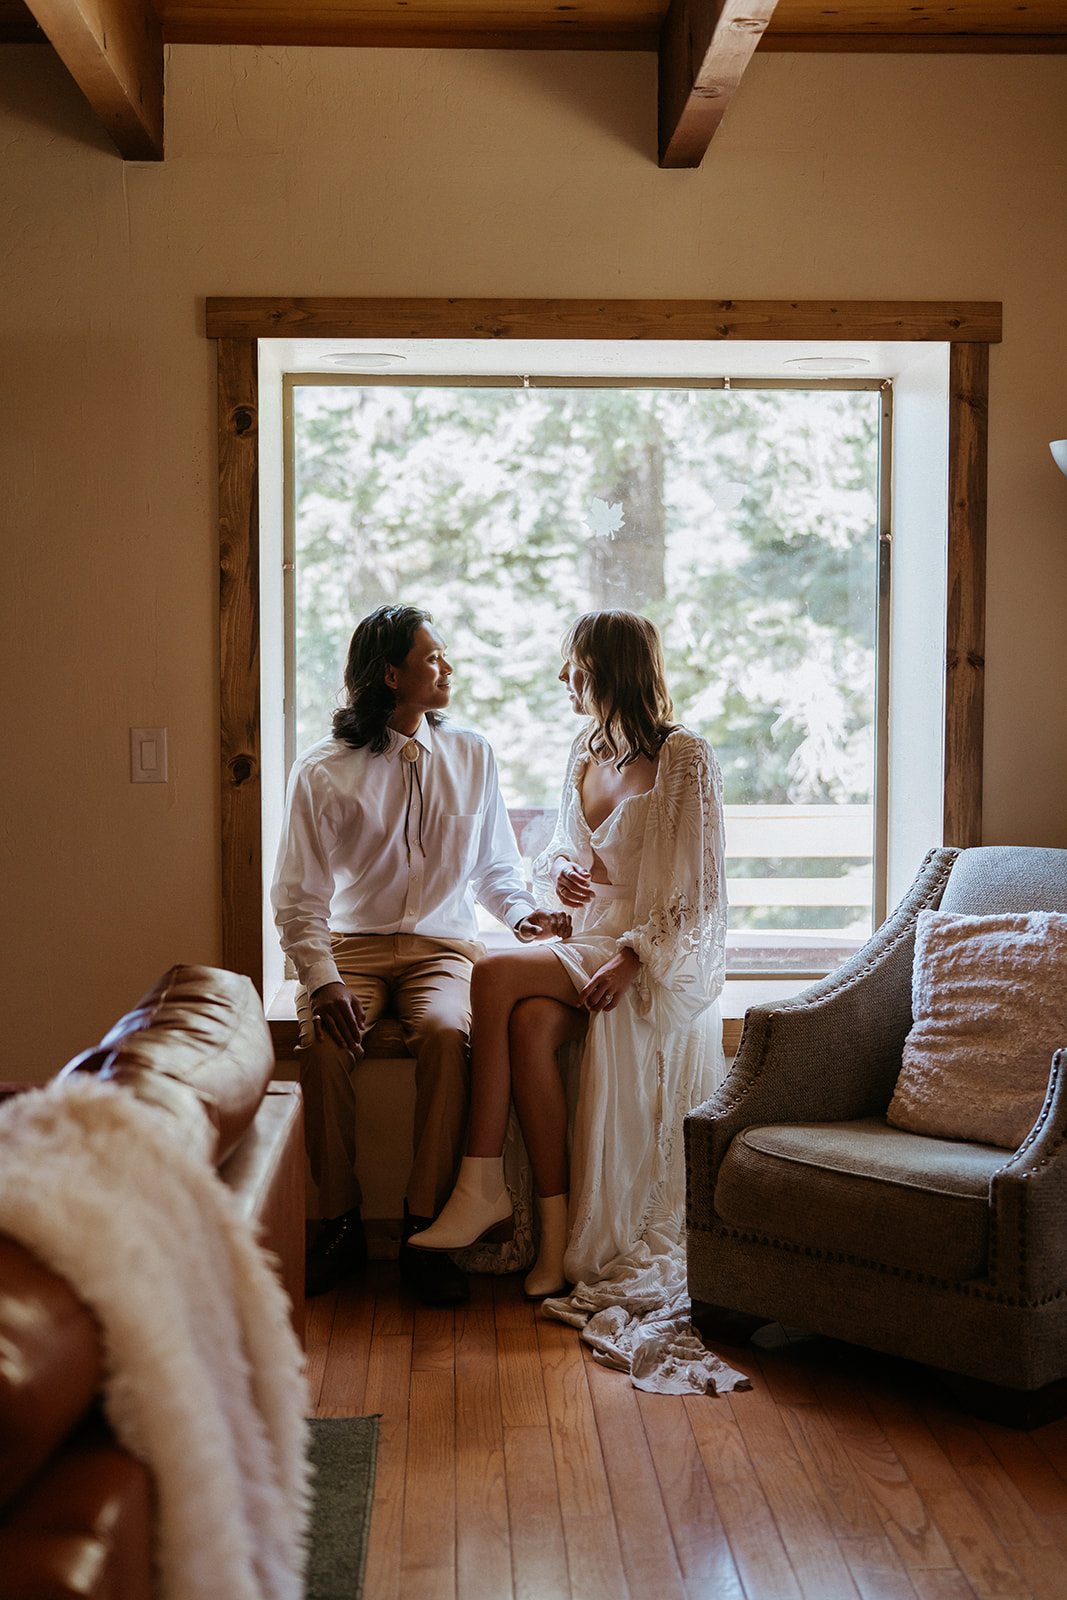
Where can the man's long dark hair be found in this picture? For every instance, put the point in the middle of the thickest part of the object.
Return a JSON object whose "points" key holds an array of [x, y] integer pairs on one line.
{"points": [[382, 640]]}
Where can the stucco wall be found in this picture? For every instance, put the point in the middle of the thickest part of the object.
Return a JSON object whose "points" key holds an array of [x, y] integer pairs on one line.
{"points": [[432, 173]]}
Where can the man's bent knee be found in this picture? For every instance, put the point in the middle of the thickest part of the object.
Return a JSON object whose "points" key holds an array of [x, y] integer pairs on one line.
{"points": [[442, 1049], [325, 1059]]}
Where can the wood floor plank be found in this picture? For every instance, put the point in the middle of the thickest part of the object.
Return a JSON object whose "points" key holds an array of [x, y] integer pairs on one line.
{"points": [[1006, 1507], [428, 1558], [909, 1431], [344, 1378], [1051, 1443], [538, 1549], [755, 1543], [1028, 1467], [849, 1508], [394, 1308], [1044, 1570], [876, 1569], [1051, 1440], [794, 1499], [433, 1346], [388, 1386], [483, 1539], [510, 1306], [905, 1513], [979, 1554], [649, 1557], [1009, 1516], [1057, 1527], [942, 1586], [580, 1472], [594, 1555], [479, 1419], [934, 1446], [784, 1375], [821, 1437], [318, 1323], [699, 1537], [522, 1390]]}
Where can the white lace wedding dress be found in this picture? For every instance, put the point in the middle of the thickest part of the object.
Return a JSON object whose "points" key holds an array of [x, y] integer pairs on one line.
{"points": [[644, 1064]]}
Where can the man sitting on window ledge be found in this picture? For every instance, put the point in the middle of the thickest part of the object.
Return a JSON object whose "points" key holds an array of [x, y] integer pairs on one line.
{"points": [[393, 828]]}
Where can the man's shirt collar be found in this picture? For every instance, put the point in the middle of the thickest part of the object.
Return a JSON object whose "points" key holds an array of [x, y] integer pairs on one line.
{"points": [[397, 741]]}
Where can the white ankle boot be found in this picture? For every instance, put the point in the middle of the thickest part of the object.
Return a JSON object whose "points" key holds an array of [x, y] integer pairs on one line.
{"points": [[477, 1210], [546, 1276]]}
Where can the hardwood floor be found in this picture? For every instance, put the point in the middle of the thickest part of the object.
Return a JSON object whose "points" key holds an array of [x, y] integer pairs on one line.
{"points": [[512, 1467]]}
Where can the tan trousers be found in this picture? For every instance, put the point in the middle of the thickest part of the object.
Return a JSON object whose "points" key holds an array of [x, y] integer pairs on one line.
{"points": [[426, 984]]}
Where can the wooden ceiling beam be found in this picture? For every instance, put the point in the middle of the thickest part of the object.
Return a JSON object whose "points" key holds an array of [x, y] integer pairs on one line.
{"points": [[113, 49], [704, 49], [927, 44], [948, 321]]}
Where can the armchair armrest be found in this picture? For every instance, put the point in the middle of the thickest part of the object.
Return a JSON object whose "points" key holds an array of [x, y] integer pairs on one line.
{"points": [[830, 1054], [1028, 1199]]}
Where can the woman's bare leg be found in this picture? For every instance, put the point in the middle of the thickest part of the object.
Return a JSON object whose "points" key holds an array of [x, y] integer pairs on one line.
{"points": [[498, 983], [538, 1027], [503, 986]]}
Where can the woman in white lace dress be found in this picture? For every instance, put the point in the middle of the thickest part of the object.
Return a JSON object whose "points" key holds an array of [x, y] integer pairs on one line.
{"points": [[637, 859]]}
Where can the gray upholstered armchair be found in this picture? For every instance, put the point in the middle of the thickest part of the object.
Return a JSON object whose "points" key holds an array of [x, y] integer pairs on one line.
{"points": [[806, 1208]]}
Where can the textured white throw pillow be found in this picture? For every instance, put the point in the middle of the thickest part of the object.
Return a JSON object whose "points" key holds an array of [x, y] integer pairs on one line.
{"points": [[989, 1009]]}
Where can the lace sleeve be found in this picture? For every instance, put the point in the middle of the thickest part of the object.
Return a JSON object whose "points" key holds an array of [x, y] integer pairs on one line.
{"points": [[679, 928], [565, 840]]}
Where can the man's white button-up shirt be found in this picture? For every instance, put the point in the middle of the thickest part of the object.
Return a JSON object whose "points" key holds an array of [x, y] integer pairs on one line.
{"points": [[343, 865]]}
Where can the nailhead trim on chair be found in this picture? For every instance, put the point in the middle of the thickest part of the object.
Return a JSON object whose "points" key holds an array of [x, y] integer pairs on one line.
{"points": [[1021, 1253], [885, 1268], [1056, 1071]]}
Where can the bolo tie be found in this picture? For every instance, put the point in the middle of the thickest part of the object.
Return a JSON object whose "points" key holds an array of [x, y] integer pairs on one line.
{"points": [[410, 753]]}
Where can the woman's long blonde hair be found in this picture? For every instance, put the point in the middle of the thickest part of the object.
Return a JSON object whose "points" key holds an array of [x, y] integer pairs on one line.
{"points": [[626, 690]]}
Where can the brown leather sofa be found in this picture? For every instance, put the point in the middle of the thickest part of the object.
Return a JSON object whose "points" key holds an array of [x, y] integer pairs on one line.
{"points": [[76, 1510]]}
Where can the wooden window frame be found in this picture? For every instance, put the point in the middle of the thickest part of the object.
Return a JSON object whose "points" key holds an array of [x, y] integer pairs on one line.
{"points": [[238, 324]]}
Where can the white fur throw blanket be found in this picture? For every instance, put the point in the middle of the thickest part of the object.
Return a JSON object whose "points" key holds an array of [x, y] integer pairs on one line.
{"points": [[204, 1375]]}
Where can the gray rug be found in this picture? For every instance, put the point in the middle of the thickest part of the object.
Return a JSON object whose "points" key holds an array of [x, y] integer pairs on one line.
{"points": [[343, 1453]]}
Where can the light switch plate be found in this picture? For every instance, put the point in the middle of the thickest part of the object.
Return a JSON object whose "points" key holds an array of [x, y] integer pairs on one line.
{"points": [[148, 755]]}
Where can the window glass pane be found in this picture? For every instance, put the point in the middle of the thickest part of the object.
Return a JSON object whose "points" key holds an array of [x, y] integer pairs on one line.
{"points": [[743, 521]]}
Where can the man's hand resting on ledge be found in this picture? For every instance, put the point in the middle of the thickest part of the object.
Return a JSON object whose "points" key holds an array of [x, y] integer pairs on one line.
{"points": [[544, 925], [338, 1015]]}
